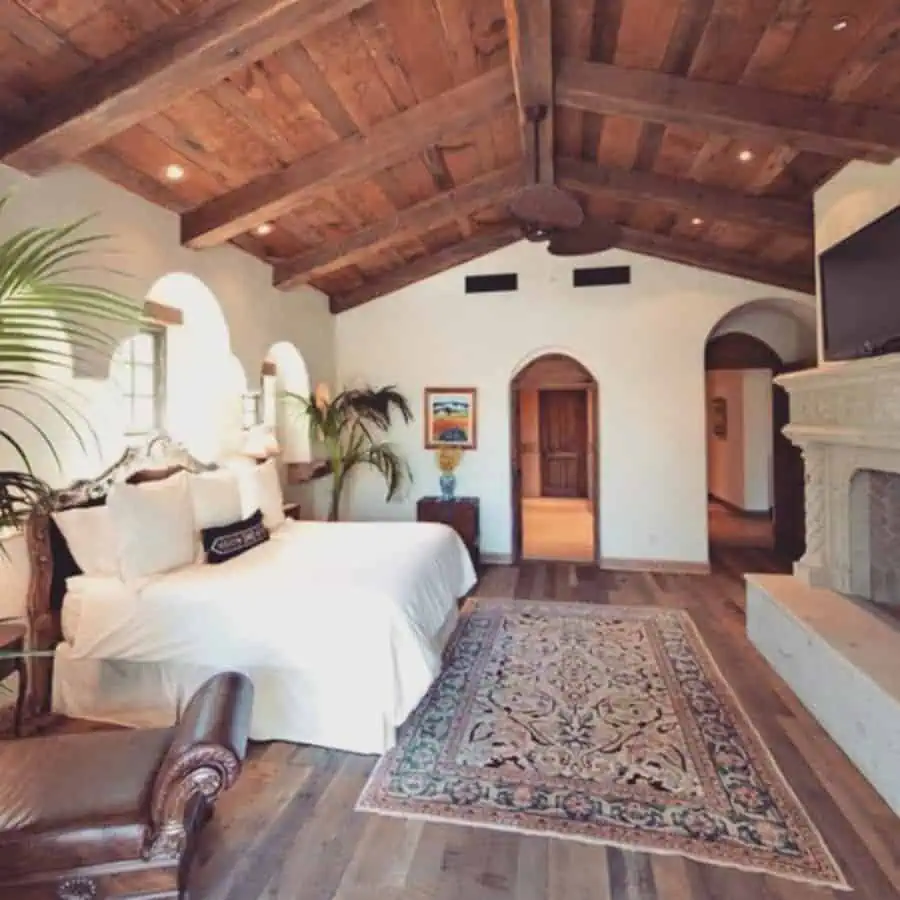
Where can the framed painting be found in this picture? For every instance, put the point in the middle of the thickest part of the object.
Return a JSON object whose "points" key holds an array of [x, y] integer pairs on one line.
{"points": [[718, 416], [450, 418]]}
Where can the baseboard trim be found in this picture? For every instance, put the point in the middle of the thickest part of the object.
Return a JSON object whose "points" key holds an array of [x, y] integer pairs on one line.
{"points": [[667, 566], [497, 559], [743, 513]]}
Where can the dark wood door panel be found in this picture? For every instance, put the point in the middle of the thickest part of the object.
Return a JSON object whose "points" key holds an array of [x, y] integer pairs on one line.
{"points": [[563, 434]]}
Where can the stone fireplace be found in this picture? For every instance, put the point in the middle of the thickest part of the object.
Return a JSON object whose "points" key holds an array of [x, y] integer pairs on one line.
{"points": [[875, 537], [824, 629]]}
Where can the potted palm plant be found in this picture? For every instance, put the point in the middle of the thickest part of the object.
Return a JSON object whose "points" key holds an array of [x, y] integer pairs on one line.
{"points": [[46, 310], [347, 425]]}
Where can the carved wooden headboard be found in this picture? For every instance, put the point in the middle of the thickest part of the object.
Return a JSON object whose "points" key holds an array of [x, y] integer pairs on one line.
{"points": [[158, 458]]}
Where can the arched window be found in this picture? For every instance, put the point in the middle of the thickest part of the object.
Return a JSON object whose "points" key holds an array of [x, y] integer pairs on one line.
{"points": [[138, 369]]}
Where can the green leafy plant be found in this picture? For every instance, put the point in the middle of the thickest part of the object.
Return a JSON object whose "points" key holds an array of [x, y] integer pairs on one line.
{"points": [[346, 426], [46, 312]]}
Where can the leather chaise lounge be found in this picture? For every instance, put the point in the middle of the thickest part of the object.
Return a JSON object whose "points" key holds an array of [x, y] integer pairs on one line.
{"points": [[115, 814]]}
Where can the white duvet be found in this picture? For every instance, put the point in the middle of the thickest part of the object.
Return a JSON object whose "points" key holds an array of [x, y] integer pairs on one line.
{"points": [[356, 611]]}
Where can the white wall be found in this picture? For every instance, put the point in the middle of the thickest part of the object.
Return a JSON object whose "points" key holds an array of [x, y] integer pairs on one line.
{"points": [[758, 476], [860, 193], [643, 343]]}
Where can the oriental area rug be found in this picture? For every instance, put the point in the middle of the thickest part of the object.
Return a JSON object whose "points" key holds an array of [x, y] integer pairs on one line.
{"points": [[608, 725]]}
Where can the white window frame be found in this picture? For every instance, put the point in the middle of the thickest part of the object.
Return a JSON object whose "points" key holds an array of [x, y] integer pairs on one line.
{"points": [[158, 364]]}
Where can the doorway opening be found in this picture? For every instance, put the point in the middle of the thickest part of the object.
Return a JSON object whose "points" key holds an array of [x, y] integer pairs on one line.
{"points": [[553, 413], [754, 473]]}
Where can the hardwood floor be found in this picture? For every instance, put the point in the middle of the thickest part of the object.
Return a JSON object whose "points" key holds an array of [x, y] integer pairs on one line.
{"points": [[288, 830], [557, 528], [728, 528]]}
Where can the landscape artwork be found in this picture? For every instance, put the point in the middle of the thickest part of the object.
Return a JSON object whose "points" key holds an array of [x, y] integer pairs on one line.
{"points": [[450, 418]]}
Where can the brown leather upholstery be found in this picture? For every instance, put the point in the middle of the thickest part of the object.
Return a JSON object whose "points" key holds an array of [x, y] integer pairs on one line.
{"points": [[122, 799]]}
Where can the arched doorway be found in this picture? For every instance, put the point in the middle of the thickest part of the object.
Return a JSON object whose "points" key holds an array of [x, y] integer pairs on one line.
{"points": [[554, 428], [755, 475]]}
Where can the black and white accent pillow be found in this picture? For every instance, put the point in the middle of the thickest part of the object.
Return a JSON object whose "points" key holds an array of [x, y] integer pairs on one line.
{"points": [[225, 542]]}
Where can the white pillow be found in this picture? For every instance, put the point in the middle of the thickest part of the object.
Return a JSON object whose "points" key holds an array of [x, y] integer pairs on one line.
{"points": [[261, 490], [154, 525], [216, 498], [89, 533]]}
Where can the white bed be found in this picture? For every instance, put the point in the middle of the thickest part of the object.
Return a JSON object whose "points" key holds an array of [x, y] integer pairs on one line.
{"points": [[340, 626]]}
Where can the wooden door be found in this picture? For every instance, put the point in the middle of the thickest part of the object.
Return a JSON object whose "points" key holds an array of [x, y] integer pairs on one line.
{"points": [[564, 435], [788, 483]]}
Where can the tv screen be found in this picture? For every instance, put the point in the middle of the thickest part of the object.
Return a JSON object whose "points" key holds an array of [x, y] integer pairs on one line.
{"points": [[860, 282]]}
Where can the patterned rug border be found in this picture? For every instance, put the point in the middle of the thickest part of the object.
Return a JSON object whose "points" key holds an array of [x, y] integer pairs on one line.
{"points": [[454, 817]]}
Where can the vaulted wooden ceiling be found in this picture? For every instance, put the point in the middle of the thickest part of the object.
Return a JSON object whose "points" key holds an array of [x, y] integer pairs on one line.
{"points": [[382, 139]]}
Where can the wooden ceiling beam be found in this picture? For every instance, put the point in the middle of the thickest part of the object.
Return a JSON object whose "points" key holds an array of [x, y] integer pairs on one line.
{"points": [[703, 255], [191, 52], [710, 202], [832, 129], [486, 240], [461, 201], [359, 156], [529, 28]]}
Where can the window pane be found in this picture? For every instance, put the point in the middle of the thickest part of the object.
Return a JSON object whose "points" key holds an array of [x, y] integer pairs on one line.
{"points": [[143, 344], [144, 414], [144, 380], [120, 373]]}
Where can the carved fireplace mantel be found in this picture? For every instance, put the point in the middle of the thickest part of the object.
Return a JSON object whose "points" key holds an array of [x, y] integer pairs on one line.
{"points": [[845, 417]]}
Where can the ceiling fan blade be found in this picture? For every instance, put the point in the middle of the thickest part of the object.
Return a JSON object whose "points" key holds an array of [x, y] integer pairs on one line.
{"points": [[594, 236], [547, 207]]}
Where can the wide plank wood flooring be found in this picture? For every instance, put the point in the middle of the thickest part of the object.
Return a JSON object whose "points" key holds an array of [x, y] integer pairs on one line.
{"points": [[288, 830]]}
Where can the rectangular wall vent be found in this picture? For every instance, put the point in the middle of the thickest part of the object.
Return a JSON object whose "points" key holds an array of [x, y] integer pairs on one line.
{"points": [[483, 284], [601, 276]]}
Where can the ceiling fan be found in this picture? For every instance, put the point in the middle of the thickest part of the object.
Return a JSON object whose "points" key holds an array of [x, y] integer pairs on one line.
{"points": [[548, 214]]}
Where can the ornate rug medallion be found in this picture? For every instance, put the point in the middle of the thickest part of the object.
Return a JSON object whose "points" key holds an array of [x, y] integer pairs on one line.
{"points": [[602, 724]]}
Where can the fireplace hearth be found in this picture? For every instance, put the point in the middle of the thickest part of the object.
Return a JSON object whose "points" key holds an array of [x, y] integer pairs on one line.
{"points": [[832, 630]]}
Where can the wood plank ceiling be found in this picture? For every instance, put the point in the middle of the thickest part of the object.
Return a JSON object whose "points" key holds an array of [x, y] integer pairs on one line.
{"points": [[361, 145]]}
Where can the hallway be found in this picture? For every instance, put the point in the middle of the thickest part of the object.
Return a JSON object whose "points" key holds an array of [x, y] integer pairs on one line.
{"points": [[557, 528]]}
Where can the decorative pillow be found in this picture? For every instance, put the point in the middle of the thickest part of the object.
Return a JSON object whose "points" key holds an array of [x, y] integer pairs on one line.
{"points": [[261, 489], [89, 535], [154, 525], [228, 541], [216, 498]]}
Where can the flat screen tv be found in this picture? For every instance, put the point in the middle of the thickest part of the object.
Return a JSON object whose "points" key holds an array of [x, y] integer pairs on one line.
{"points": [[860, 282]]}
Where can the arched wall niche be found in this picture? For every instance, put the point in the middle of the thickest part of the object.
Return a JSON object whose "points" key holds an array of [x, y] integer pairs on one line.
{"points": [[203, 380], [291, 376]]}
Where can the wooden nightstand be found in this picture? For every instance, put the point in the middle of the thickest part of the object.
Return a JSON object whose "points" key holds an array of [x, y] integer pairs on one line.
{"points": [[461, 514], [12, 640]]}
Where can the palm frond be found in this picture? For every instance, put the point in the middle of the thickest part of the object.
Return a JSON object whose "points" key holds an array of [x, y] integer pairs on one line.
{"points": [[393, 468], [377, 405], [46, 312]]}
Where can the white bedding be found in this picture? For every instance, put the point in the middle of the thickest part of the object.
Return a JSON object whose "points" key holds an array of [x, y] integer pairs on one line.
{"points": [[355, 613]]}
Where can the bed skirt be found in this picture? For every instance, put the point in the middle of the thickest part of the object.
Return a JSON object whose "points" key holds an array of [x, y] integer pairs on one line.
{"points": [[328, 709]]}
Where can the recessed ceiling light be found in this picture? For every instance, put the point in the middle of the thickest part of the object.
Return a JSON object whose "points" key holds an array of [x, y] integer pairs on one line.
{"points": [[696, 221], [745, 155], [174, 172], [841, 24], [264, 229]]}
